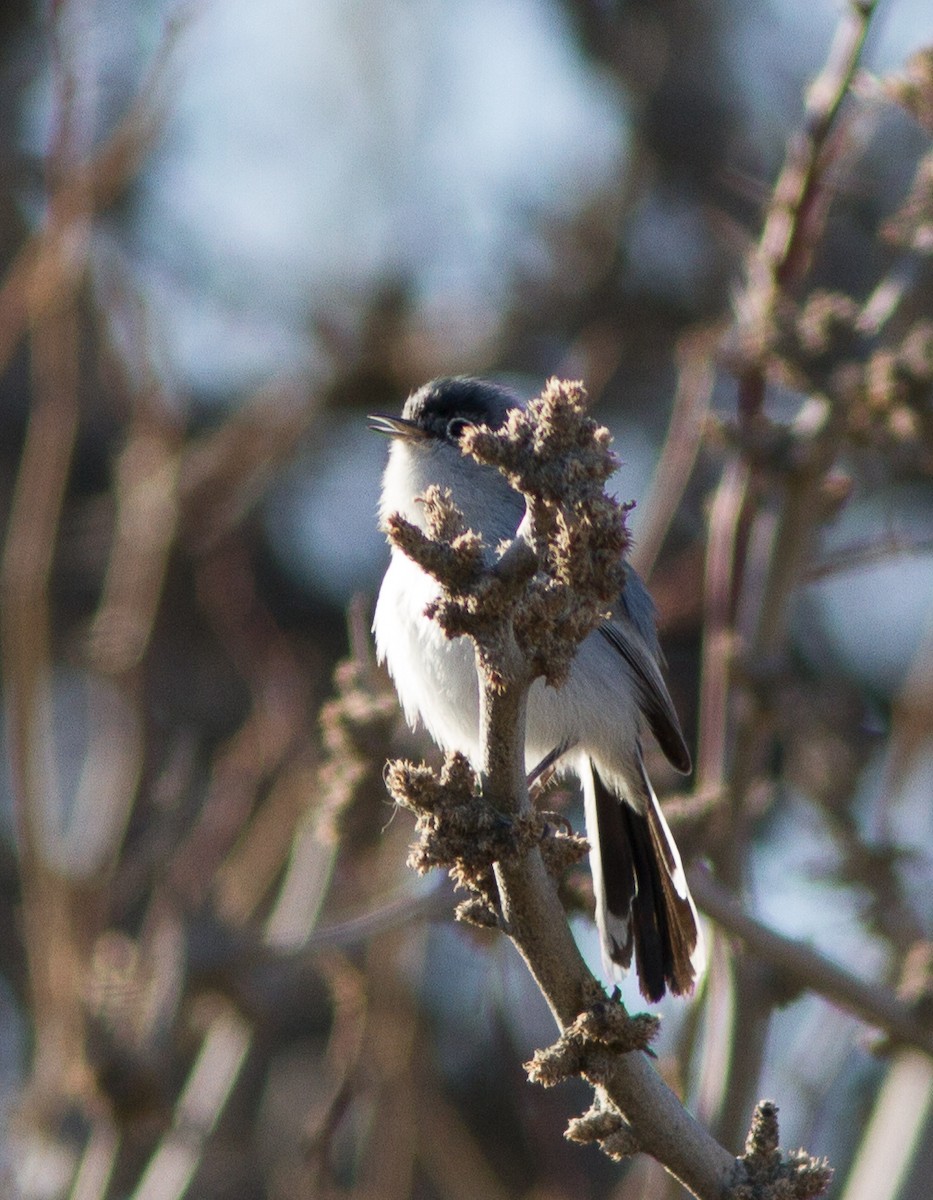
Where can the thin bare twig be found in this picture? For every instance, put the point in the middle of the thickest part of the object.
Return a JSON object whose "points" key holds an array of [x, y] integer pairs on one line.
{"points": [[221, 1056], [794, 215], [869, 554], [718, 634], [807, 969], [682, 444], [776, 524], [50, 914], [887, 1154], [50, 265]]}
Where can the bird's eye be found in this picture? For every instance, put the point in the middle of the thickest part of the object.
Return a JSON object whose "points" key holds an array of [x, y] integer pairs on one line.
{"points": [[456, 427]]}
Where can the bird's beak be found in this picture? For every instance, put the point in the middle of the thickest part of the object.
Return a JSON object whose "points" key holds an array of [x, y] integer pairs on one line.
{"points": [[396, 427]]}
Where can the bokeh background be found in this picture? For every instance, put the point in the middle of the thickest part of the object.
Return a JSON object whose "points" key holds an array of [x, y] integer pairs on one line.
{"points": [[228, 232]]}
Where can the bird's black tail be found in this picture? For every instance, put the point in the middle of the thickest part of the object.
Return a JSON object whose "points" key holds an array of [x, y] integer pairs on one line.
{"points": [[643, 904]]}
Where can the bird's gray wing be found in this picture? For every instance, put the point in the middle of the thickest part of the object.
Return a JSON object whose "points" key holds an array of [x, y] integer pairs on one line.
{"points": [[632, 634]]}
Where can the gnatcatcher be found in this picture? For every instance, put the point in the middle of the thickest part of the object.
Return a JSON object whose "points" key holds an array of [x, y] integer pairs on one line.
{"points": [[593, 723]]}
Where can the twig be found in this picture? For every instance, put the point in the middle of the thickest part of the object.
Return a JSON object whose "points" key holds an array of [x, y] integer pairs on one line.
{"points": [[718, 635], [50, 915], [887, 1153], [47, 268], [805, 968], [346, 1049], [781, 258], [220, 1059], [784, 249], [92, 1178], [868, 554], [146, 484], [400, 909], [684, 436], [886, 298]]}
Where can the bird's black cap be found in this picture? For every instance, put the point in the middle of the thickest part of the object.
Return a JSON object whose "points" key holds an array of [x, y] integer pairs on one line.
{"points": [[436, 404]]}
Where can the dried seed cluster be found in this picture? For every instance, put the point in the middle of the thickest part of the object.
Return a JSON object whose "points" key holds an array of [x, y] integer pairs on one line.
{"points": [[559, 459], [458, 831], [604, 1026], [771, 1177]]}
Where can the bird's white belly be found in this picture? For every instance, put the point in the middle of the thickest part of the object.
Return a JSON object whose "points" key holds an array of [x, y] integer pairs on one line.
{"points": [[435, 676], [436, 680]]}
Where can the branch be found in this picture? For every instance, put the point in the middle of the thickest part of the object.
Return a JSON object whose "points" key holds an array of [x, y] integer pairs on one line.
{"points": [[806, 968], [695, 380], [47, 269], [762, 540], [795, 215]]}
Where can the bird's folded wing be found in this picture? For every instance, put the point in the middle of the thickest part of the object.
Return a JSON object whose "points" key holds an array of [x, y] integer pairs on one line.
{"points": [[653, 696]]}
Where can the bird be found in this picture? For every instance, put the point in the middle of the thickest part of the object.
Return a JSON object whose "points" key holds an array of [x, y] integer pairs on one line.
{"points": [[593, 725]]}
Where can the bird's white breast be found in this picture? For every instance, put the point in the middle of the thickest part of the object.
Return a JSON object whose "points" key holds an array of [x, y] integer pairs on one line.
{"points": [[435, 676]]}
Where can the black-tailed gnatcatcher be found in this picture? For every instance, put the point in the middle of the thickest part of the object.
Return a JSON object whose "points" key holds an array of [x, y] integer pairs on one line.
{"points": [[596, 718]]}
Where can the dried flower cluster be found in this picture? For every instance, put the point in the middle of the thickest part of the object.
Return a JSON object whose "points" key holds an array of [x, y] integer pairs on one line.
{"points": [[605, 1025], [459, 831], [604, 1125], [559, 459]]}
